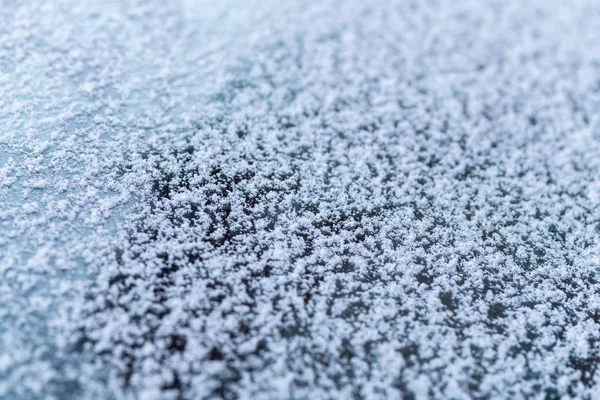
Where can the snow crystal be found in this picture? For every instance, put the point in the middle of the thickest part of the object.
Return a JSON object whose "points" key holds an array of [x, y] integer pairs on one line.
{"points": [[299, 199]]}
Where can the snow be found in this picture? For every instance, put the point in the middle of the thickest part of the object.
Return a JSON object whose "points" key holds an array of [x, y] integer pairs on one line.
{"points": [[299, 199]]}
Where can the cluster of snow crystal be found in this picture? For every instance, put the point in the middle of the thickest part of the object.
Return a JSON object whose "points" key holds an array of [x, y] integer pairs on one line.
{"points": [[300, 199]]}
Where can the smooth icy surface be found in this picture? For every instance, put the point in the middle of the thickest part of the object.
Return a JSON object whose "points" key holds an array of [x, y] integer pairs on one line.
{"points": [[312, 200]]}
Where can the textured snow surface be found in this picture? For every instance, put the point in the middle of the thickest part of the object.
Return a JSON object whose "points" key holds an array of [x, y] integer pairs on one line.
{"points": [[303, 200]]}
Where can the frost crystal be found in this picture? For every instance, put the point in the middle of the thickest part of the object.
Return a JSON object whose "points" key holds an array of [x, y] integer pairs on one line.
{"points": [[299, 199]]}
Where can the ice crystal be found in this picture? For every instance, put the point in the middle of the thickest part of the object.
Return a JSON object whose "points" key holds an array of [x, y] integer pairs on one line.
{"points": [[299, 199]]}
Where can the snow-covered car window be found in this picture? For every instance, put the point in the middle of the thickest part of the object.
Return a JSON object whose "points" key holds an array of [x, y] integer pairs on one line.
{"points": [[299, 199]]}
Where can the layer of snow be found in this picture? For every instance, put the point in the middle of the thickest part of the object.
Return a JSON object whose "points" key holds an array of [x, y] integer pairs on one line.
{"points": [[299, 199]]}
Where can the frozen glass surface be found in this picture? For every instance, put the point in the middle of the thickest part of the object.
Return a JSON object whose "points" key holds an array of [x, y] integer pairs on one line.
{"points": [[299, 199]]}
